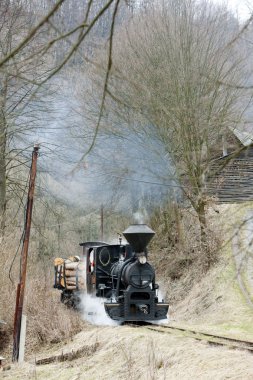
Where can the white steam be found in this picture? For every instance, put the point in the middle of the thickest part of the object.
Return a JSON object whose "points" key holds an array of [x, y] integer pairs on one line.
{"points": [[161, 294], [140, 216], [92, 308], [93, 311], [161, 297]]}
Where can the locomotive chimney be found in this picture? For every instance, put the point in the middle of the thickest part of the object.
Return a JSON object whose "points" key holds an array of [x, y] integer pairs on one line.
{"points": [[138, 236]]}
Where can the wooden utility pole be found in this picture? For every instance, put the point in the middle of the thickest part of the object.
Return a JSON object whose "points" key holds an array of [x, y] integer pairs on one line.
{"points": [[102, 223], [24, 255]]}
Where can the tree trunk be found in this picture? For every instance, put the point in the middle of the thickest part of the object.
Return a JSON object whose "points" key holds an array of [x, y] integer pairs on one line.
{"points": [[3, 141], [2, 182], [202, 220], [207, 252]]}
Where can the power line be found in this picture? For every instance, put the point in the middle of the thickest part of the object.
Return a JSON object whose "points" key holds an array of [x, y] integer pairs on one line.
{"points": [[149, 182]]}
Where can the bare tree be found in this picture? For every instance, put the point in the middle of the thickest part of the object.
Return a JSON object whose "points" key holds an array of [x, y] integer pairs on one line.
{"points": [[169, 66], [38, 41], [20, 113]]}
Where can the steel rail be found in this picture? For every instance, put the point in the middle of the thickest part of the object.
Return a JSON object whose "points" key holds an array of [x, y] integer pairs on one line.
{"points": [[212, 339]]}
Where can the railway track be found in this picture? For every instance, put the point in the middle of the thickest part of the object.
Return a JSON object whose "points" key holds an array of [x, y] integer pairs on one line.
{"points": [[212, 339]]}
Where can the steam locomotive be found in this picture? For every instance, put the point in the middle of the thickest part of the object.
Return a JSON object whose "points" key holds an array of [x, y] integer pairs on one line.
{"points": [[120, 274]]}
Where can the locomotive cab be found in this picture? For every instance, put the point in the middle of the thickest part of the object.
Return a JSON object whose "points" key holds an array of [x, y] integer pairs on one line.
{"points": [[100, 258], [89, 257]]}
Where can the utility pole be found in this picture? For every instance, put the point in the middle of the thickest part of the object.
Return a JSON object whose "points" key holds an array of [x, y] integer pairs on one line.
{"points": [[24, 255], [102, 223]]}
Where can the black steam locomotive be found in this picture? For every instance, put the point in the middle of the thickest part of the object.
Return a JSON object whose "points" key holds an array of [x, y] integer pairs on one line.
{"points": [[121, 274]]}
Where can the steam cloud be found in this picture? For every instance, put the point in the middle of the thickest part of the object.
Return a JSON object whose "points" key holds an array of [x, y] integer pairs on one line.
{"points": [[93, 311], [140, 216]]}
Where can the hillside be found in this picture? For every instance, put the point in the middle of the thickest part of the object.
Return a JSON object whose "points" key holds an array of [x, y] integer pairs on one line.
{"points": [[221, 300], [214, 304], [125, 126]]}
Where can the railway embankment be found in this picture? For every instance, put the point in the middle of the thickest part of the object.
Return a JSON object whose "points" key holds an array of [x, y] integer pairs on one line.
{"points": [[215, 305], [134, 353], [221, 302]]}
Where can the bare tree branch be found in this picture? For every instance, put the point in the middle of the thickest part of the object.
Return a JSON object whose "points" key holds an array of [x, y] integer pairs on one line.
{"points": [[28, 38]]}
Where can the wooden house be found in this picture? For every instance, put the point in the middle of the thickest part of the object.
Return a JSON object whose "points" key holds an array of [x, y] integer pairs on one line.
{"points": [[231, 178]]}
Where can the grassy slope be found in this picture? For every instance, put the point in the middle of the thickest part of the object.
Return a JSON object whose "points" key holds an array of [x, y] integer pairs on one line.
{"points": [[127, 353], [216, 303]]}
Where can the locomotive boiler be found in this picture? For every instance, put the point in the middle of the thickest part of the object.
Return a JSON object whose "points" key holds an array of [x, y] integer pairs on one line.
{"points": [[121, 275]]}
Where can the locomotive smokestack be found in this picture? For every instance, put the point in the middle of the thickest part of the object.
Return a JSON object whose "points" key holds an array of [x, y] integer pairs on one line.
{"points": [[138, 236]]}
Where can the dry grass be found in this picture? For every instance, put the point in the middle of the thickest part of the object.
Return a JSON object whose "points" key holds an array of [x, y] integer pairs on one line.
{"points": [[210, 302], [208, 299], [48, 321], [126, 353], [215, 301]]}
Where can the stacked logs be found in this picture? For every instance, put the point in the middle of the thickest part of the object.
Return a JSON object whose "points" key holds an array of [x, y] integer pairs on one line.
{"points": [[69, 273]]}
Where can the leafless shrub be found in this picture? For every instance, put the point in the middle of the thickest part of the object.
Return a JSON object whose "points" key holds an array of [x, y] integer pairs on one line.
{"points": [[177, 251], [47, 319]]}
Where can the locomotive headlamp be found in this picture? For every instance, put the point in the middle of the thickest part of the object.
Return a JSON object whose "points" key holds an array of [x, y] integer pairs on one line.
{"points": [[142, 259]]}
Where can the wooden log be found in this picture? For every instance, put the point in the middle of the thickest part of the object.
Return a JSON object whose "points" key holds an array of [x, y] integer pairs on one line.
{"points": [[71, 265], [58, 261], [74, 258], [75, 266], [76, 284], [70, 272], [73, 273], [86, 350], [75, 287], [71, 287], [74, 279]]}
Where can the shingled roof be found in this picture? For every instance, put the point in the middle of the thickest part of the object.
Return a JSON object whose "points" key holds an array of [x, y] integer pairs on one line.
{"points": [[232, 181]]}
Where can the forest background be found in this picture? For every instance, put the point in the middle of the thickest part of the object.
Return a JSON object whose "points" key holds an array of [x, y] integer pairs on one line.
{"points": [[130, 102]]}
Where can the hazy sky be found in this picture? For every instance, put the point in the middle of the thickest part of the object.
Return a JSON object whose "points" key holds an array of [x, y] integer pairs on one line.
{"points": [[243, 7]]}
